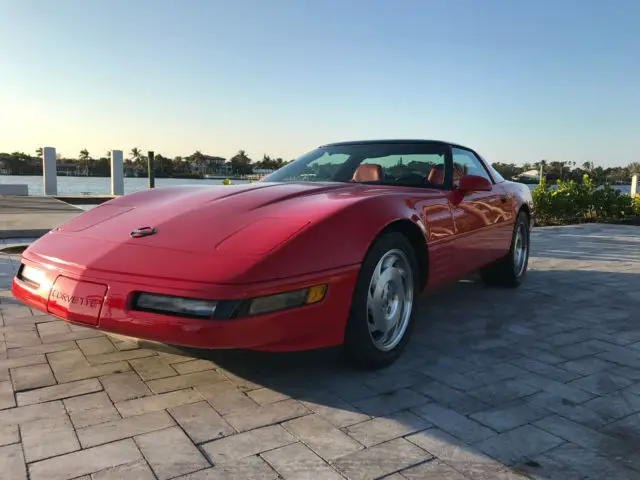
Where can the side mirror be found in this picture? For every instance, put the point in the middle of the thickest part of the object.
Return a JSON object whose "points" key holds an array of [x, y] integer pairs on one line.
{"points": [[474, 183]]}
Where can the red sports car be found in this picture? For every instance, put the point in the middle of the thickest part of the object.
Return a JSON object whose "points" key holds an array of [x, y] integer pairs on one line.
{"points": [[332, 249]]}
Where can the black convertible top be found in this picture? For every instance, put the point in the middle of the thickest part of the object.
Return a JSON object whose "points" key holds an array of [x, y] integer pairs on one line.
{"points": [[399, 140]]}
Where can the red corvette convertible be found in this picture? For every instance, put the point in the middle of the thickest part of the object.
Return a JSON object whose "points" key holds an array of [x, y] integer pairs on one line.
{"points": [[332, 249]]}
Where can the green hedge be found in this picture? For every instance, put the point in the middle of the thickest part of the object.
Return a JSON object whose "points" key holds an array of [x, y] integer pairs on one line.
{"points": [[573, 202]]}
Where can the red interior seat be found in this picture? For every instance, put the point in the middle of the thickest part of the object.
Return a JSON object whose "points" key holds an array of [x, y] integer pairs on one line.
{"points": [[436, 175], [368, 172]]}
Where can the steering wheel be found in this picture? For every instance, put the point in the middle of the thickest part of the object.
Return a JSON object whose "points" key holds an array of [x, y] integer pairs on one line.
{"points": [[411, 179]]}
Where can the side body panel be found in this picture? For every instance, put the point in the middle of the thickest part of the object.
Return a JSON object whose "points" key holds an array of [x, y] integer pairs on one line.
{"points": [[478, 221]]}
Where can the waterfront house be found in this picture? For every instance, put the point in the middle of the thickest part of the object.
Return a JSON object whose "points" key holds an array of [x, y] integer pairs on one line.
{"points": [[5, 168]]}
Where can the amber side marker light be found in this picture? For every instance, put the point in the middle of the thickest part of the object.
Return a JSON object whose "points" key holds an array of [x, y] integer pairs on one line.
{"points": [[316, 294], [286, 300]]}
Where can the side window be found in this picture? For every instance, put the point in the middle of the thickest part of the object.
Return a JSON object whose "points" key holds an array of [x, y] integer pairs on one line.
{"points": [[494, 173], [466, 163]]}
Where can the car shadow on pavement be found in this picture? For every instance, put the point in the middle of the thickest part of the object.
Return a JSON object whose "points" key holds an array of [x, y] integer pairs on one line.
{"points": [[487, 372]]}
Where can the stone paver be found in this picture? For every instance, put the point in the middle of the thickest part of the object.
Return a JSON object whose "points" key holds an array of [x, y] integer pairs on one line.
{"points": [[322, 437], [33, 376], [124, 428], [298, 462], [124, 386], [83, 462], [138, 470], [249, 468], [56, 392], [537, 382], [12, 463], [48, 438], [91, 409], [170, 453], [245, 444], [201, 422]]}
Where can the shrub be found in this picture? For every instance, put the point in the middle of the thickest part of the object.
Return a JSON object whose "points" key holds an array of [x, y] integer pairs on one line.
{"points": [[573, 202], [635, 205]]}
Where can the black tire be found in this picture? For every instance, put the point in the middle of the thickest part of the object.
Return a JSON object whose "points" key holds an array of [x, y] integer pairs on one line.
{"points": [[359, 345], [506, 272]]}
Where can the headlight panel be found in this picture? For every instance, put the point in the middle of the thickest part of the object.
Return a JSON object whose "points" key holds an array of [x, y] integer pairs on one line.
{"points": [[227, 309], [176, 306], [31, 275]]}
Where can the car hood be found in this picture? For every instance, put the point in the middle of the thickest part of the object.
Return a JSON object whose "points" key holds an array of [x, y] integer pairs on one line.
{"points": [[204, 219], [211, 233]]}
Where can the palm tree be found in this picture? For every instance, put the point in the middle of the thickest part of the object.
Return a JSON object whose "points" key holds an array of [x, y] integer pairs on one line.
{"points": [[84, 158], [241, 163], [197, 157], [136, 154], [39, 152]]}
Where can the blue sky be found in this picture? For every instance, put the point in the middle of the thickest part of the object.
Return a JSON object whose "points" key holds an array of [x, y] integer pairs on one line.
{"points": [[517, 80]]}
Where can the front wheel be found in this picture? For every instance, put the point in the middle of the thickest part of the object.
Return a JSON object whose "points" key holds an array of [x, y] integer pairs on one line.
{"points": [[511, 270], [382, 307]]}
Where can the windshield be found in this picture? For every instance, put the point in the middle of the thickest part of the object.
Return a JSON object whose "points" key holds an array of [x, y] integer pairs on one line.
{"points": [[412, 164]]}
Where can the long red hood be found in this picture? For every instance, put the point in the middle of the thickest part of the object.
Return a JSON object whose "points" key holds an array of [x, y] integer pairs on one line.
{"points": [[197, 219], [203, 233]]}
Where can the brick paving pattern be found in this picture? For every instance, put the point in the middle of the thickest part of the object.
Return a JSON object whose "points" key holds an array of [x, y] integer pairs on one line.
{"points": [[539, 382]]}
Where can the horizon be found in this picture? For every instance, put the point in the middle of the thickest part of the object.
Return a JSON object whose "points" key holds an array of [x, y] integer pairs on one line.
{"points": [[516, 82], [127, 157]]}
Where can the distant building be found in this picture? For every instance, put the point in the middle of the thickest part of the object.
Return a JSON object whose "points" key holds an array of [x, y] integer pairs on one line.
{"points": [[5, 169], [71, 169], [210, 165], [528, 175]]}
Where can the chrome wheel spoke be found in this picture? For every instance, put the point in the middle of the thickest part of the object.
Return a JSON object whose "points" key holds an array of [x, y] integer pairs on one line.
{"points": [[376, 314], [376, 275], [390, 300], [520, 250]]}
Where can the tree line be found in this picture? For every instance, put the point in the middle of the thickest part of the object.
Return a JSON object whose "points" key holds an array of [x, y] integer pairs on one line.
{"points": [[567, 171], [197, 164]]}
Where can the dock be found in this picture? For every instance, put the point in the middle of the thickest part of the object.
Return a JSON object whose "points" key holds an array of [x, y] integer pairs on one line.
{"points": [[32, 217]]}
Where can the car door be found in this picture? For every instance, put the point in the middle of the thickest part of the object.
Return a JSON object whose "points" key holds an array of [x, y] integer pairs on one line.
{"points": [[507, 198], [422, 171], [479, 217]]}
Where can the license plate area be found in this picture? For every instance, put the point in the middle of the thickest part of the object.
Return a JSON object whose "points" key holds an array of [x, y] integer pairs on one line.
{"points": [[76, 300]]}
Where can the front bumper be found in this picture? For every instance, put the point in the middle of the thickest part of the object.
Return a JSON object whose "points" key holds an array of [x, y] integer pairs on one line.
{"points": [[312, 326]]}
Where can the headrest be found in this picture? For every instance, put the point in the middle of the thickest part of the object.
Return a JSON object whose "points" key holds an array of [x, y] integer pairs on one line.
{"points": [[368, 172]]}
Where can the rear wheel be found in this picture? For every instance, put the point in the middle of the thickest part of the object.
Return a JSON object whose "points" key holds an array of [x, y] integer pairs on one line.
{"points": [[380, 320], [511, 269]]}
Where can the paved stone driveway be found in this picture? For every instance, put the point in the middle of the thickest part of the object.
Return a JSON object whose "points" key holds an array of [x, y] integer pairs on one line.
{"points": [[540, 382]]}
